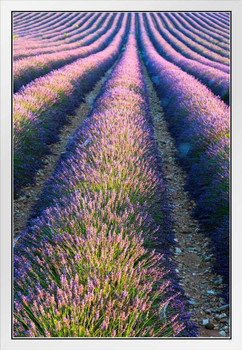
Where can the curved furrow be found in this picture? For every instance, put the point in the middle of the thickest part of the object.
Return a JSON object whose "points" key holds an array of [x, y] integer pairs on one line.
{"points": [[36, 27], [40, 109], [196, 38], [206, 26], [184, 49], [81, 27], [203, 16], [216, 80], [76, 25], [203, 35], [58, 17], [73, 42], [18, 16], [30, 17], [202, 29], [216, 21], [52, 29], [192, 44], [220, 18], [27, 69], [46, 32]]}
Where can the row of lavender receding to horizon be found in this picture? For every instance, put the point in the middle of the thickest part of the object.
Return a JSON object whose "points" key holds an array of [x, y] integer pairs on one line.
{"points": [[178, 30], [193, 51], [222, 18], [203, 29], [200, 124], [69, 38], [70, 41], [215, 79], [192, 27], [224, 29], [54, 32], [36, 28], [87, 266], [209, 25], [50, 36], [34, 19], [41, 108], [27, 69]]}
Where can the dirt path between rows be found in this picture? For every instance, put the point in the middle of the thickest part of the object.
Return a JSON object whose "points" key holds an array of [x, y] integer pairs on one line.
{"points": [[24, 203], [194, 260]]}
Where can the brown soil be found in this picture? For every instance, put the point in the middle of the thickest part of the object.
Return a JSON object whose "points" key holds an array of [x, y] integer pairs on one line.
{"points": [[193, 270]]}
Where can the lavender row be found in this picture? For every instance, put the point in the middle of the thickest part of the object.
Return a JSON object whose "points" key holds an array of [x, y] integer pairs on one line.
{"points": [[224, 17], [94, 29], [199, 122], [218, 17], [32, 17], [202, 16], [71, 35], [56, 28], [27, 18], [31, 28], [207, 26], [46, 36], [208, 37], [23, 46], [27, 69], [184, 49], [83, 21], [41, 108], [214, 22], [77, 26], [20, 16], [162, 22], [216, 80], [198, 39], [83, 269], [202, 29]]}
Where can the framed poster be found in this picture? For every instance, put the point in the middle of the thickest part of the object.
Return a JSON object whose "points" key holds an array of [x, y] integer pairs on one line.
{"points": [[117, 181]]}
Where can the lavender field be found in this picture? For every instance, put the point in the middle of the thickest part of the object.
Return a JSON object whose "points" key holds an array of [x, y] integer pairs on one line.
{"points": [[121, 126]]}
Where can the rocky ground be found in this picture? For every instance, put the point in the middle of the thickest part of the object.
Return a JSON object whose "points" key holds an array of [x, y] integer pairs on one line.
{"points": [[193, 257]]}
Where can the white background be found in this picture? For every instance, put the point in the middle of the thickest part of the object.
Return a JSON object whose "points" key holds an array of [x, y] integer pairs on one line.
{"points": [[122, 5]]}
